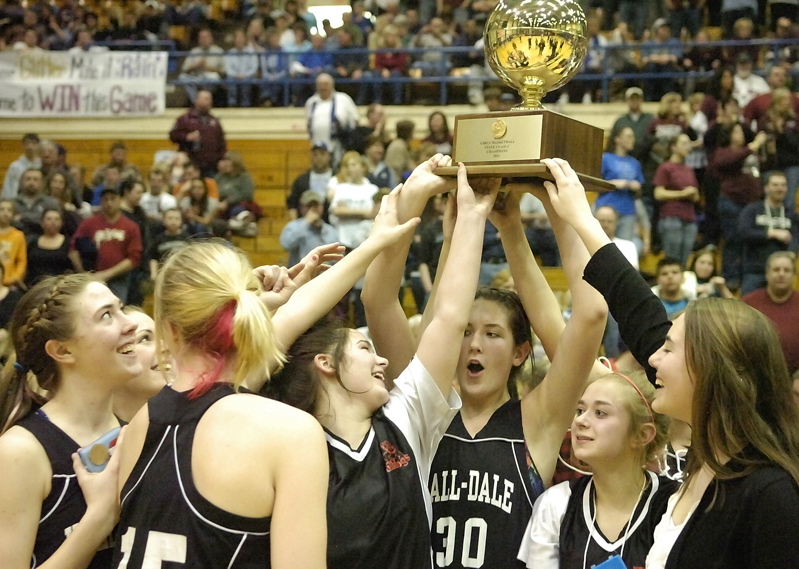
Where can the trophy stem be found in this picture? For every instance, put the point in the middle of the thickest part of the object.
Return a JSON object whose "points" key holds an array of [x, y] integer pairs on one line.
{"points": [[532, 91]]}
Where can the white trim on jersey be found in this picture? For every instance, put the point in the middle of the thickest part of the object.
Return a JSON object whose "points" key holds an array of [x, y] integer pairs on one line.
{"points": [[489, 439], [512, 442], [236, 553], [357, 455], [66, 478], [152, 458], [190, 505], [594, 533]]}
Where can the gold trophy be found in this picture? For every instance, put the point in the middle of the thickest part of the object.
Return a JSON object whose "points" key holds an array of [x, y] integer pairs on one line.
{"points": [[535, 46]]}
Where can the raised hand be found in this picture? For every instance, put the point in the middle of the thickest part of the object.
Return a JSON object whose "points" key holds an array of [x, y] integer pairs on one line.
{"points": [[424, 176], [314, 262], [509, 213], [567, 194], [387, 229], [479, 199]]}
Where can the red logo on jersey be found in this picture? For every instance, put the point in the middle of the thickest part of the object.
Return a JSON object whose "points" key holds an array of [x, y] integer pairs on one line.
{"points": [[392, 457]]}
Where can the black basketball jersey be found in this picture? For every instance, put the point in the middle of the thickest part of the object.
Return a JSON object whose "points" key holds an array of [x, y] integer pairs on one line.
{"points": [[375, 502], [165, 522], [64, 506], [483, 489], [579, 529]]}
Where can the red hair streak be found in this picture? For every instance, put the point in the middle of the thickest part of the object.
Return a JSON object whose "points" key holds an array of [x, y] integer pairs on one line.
{"points": [[217, 341]]}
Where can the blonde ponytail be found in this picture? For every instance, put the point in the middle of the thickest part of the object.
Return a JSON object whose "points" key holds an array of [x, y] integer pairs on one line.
{"points": [[208, 294]]}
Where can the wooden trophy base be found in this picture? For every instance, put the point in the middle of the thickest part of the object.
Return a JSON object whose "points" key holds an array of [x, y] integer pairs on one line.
{"points": [[511, 145]]}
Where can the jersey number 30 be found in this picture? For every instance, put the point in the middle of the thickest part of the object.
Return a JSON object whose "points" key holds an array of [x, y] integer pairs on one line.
{"points": [[160, 547], [448, 528]]}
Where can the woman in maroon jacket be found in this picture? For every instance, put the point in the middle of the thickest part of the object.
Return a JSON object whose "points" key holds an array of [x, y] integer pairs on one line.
{"points": [[390, 64], [736, 165]]}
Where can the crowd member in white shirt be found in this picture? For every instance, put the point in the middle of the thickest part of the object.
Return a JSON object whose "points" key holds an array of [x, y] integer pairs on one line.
{"points": [[158, 199], [747, 85], [206, 61], [331, 115]]}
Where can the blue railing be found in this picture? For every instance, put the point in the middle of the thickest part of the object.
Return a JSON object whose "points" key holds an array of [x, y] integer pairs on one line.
{"points": [[442, 74]]}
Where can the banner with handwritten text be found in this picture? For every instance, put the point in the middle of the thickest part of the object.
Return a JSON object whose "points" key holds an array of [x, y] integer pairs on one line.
{"points": [[87, 84]]}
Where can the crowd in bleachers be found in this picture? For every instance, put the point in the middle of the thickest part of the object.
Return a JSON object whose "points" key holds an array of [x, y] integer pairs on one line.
{"points": [[268, 52]]}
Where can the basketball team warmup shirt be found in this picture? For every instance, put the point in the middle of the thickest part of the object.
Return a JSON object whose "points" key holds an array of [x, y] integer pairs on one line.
{"points": [[378, 512], [483, 489], [64, 506], [563, 533], [165, 522]]}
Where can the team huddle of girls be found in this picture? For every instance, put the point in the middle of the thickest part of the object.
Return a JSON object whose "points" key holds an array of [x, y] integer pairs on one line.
{"points": [[257, 433]]}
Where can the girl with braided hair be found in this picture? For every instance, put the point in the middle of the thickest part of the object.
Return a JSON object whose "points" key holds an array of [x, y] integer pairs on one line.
{"points": [[73, 347]]}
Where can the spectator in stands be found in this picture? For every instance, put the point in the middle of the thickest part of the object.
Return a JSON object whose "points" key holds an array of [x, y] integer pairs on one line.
{"points": [[158, 198], [747, 85], [765, 228], [114, 240], [132, 193], [375, 125], [782, 53], [307, 16], [780, 303], [173, 237], [432, 38], [350, 196], [719, 89], [703, 266], [634, 13], [734, 10], [301, 236], [128, 30], [241, 66], [236, 189], [390, 65], [736, 165], [111, 179], [677, 191], [31, 202], [118, 158], [479, 72], [49, 157], [782, 10], [315, 179], [29, 160], [72, 210], [77, 181], [758, 107], [698, 125], [255, 33], [84, 42], [315, 60], [274, 68], [660, 55], [282, 27], [192, 172], [203, 67], [624, 172], [702, 57], [744, 32], [582, 90], [198, 208], [398, 153], [538, 230], [331, 116], [30, 41], [350, 65], [302, 40], [439, 134], [669, 285], [13, 252], [48, 253], [199, 134], [782, 146], [378, 172], [684, 15], [635, 119]]}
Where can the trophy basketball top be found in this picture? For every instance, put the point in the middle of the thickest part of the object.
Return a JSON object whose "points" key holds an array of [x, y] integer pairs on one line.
{"points": [[536, 46]]}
